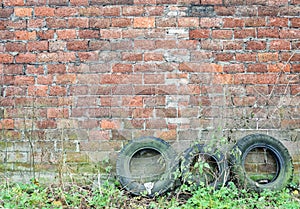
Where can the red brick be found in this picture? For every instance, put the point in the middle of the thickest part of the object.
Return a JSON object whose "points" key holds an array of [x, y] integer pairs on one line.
{"points": [[244, 101], [166, 44], [130, 56], [280, 45], [58, 2], [278, 21], [17, 25], [15, 47], [40, 91], [290, 34], [268, 11], [267, 57], [36, 23], [12, 69], [13, 2], [199, 33], [78, 22], [66, 79], [267, 33], [7, 124], [255, 22], [144, 22], [45, 35], [144, 44], [56, 69], [188, 22], [213, 2], [5, 13], [45, 80], [25, 35], [89, 34], [234, 68], [56, 23], [65, 12], [279, 67], [233, 23], [57, 91], [154, 10], [258, 68], [88, 56], [233, 45], [295, 22], [224, 10], [242, 78], [148, 57], [66, 34], [36, 2], [99, 23], [166, 22], [23, 12], [44, 11], [154, 78], [79, 2], [133, 10], [224, 57], [57, 113], [122, 68], [143, 2], [121, 22], [110, 33], [222, 34], [244, 33], [37, 46], [296, 68], [24, 80], [256, 45], [35, 69], [132, 101], [286, 56], [77, 45], [6, 58], [26, 58], [245, 57]]}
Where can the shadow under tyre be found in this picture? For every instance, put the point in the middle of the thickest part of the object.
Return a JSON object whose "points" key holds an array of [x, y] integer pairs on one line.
{"points": [[146, 166], [261, 162], [202, 164]]}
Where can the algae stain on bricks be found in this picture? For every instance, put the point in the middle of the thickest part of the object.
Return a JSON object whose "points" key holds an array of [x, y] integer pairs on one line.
{"points": [[80, 79]]}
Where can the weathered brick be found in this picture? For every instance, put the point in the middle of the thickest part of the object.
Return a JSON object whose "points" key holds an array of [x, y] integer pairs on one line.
{"points": [[188, 22], [26, 58], [15, 47], [144, 22], [256, 45], [37, 46], [44, 11], [6, 58], [25, 35], [199, 33], [23, 12], [79, 2]]}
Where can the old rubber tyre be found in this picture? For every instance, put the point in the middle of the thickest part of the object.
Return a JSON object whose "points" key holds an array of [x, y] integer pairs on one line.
{"points": [[147, 161], [215, 175], [261, 162]]}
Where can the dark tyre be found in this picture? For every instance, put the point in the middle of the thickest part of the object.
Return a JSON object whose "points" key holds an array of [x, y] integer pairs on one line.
{"points": [[146, 166], [204, 165], [261, 162]]}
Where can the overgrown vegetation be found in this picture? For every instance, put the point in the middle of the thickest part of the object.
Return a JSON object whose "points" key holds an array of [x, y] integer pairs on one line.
{"points": [[110, 195]]}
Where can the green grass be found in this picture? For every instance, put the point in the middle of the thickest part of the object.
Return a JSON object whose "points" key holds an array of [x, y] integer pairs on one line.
{"points": [[109, 195]]}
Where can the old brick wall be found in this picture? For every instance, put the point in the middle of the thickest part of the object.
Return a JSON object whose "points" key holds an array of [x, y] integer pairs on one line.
{"points": [[81, 77]]}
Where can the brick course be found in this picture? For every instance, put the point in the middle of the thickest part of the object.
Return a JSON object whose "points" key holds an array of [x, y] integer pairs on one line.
{"points": [[84, 77]]}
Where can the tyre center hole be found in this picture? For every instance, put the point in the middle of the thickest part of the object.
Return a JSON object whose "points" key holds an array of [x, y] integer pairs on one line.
{"points": [[147, 165], [204, 168], [261, 165]]}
